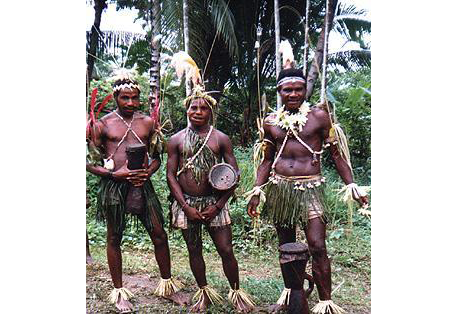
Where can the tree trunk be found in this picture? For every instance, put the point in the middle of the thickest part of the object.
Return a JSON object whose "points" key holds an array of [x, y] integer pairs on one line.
{"points": [[99, 6], [154, 71], [315, 68], [188, 87], [277, 43]]}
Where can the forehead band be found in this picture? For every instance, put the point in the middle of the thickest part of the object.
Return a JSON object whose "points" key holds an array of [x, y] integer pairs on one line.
{"points": [[291, 79]]}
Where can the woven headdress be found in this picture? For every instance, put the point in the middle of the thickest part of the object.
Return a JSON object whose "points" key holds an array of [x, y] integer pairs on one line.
{"points": [[124, 78], [289, 73], [182, 62]]}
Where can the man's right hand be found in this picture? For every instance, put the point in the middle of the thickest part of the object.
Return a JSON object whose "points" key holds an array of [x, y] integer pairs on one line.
{"points": [[122, 173], [192, 213], [252, 206]]}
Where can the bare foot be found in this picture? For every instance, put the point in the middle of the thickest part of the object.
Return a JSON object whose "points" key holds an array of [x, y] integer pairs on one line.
{"points": [[200, 307], [178, 298], [124, 306], [275, 308], [89, 260]]}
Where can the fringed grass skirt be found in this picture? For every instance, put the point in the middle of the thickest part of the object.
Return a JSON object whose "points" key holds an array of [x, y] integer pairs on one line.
{"points": [[112, 197], [180, 221], [293, 200]]}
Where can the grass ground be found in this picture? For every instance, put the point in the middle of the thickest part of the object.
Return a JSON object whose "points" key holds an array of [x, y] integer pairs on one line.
{"points": [[255, 250], [259, 272]]}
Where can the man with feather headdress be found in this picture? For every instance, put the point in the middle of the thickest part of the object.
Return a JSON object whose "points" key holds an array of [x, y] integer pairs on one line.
{"points": [[290, 173], [192, 153], [124, 191]]}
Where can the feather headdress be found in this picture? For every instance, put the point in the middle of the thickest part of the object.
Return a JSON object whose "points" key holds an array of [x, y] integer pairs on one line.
{"points": [[285, 49], [288, 73], [182, 62], [124, 78]]}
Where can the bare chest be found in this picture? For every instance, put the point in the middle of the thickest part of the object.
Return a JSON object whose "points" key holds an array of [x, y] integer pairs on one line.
{"points": [[311, 132], [212, 143], [118, 131]]}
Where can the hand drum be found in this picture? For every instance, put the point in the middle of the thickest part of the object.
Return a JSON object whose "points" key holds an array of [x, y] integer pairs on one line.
{"points": [[136, 154], [222, 176]]}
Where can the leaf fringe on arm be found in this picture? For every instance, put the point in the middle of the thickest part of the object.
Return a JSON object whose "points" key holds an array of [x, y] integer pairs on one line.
{"points": [[342, 143], [351, 192]]}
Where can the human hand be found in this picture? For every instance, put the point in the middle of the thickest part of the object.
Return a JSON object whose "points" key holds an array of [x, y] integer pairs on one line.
{"points": [[192, 213], [210, 212], [138, 177], [252, 206], [361, 197], [363, 201], [122, 173]]}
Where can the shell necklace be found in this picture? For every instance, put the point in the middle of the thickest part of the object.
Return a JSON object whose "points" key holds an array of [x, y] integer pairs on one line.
{"points": [[291, 121]]}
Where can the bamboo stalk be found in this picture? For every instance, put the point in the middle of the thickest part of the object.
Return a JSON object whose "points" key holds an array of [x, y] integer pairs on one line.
{"points": [[306, 39], [325, 55], [277, 43]]}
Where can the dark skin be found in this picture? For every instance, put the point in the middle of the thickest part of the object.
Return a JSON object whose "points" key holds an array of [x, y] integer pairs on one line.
{"points": [[296, 160], [199, 114], [107, 133]]}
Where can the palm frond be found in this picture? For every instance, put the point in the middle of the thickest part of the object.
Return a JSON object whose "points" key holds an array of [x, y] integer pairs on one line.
{"points": [[350, 59], [111, 42], [224, 22], [352, 23]]}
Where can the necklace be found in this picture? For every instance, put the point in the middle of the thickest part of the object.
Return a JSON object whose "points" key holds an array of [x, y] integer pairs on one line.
{"points": [[109, 162], [291, 121]]}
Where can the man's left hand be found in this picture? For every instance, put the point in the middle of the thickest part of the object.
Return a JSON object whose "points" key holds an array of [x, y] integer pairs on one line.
{"points": [[363, 201], [210, 212]]}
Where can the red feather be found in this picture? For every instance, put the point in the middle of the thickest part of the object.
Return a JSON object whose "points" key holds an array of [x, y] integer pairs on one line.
{"points": [[91, 118], [103, 104], [93, 101]]}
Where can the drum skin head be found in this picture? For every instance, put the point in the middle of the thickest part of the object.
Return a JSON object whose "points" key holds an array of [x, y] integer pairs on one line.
{"points": [[222, 176]]}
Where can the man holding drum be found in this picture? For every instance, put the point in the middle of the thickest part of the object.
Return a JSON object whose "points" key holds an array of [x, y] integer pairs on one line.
{"points": [[192, 153]]}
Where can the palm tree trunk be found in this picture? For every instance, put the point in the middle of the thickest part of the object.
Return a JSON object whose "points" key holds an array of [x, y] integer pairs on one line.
{"points": [[154, 71], [315, 68], [188, 87], [277, 43], [99, 6]]}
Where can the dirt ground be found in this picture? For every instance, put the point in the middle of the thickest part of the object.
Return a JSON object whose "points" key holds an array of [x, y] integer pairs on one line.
{"points": [[141, 277]]}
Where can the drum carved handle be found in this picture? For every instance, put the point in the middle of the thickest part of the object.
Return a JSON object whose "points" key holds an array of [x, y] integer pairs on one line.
{"points": [[311, 284]]}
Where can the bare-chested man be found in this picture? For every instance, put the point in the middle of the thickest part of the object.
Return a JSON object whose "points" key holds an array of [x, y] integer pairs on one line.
{"points": [[111, 135], [196, 203], [291, 176]]}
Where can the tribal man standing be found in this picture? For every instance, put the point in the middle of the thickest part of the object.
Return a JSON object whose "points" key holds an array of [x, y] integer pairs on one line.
{"points": [[192, 153], [290, 173], [125, 191]]}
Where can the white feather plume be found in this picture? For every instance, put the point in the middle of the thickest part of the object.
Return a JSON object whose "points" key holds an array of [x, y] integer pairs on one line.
{"points": [[287, 54], [183, 63], [124, 74]]}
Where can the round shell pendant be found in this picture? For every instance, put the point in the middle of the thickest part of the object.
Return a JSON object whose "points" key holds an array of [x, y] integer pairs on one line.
{"points": [[108, 164]]}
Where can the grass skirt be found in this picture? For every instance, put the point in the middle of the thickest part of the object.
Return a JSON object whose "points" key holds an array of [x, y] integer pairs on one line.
{"points": [[289, 199], [112, 198]]}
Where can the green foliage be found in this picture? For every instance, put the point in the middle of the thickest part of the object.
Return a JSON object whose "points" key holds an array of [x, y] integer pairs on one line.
{"points": [[349, 92], [104, 88], [246, 239]]}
